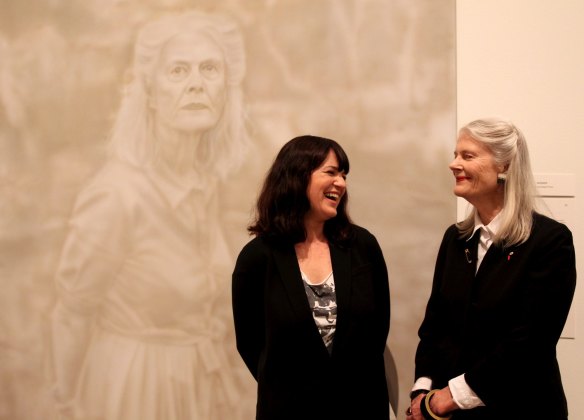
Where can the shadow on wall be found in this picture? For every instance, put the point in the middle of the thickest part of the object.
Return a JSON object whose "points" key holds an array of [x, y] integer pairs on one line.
{"points": [[392, 380]]}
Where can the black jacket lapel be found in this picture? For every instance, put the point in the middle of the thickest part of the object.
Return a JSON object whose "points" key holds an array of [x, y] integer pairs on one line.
{"points": [[287, 265]]}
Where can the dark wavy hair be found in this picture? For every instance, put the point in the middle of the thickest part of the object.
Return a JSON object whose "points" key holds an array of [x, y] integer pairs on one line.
{"points": [[283, 201]]}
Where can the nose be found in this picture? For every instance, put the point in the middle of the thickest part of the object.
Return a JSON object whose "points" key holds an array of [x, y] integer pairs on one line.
{"points": [[194, 82], [455, 164], [340, 181]]}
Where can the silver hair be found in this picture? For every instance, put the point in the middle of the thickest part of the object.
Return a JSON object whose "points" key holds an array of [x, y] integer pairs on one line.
{"points": [[509, 148], [131, 138]]}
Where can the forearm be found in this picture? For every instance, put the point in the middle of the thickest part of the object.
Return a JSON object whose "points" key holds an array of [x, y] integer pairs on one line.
{"points": [[70, 335]]}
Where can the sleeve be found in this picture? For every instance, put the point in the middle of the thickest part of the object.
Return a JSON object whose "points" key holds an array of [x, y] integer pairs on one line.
{"points": [[462, 394], [542, 306], [248, 304], [382, 294], [92, 254], [431, 357]]}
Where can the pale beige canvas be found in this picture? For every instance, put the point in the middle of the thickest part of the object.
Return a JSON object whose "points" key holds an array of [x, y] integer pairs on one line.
{"points": [[120, 220]]}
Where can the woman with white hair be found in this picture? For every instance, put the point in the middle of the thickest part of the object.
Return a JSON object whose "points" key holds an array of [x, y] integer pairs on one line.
{"points": [[141, 281], [503, 285]]}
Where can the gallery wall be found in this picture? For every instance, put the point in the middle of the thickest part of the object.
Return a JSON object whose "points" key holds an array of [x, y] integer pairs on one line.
{"points": [[523, 60]]}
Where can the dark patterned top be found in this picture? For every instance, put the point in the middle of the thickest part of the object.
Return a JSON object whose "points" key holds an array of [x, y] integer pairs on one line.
{"points": [[323, 302]]}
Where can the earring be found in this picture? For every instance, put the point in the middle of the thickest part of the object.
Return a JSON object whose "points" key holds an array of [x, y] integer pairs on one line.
{"points": [[501, 178]]}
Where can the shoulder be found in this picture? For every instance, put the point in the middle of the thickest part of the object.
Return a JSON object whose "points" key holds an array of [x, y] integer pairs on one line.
{"points": [[452, 233], [362, 235], [451, 241], [544, 225], [363, 241], [548, 233], [115, 179], [114, 170], [116, 185], [254, 252]]}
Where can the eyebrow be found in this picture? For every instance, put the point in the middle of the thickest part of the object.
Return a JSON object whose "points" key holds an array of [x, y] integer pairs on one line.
{"points": [[178, 61], [464, 151], [336, 168], [182, 59]]}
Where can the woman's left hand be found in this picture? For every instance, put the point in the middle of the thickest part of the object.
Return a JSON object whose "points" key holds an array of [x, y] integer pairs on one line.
{"points": [[442, 403]]}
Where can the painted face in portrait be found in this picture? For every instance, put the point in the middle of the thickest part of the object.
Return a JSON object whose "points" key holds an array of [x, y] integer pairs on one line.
{"points": [[475, 171], [189, 84], [326, 187]]}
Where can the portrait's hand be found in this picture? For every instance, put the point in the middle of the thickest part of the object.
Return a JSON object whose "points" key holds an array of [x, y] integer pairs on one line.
{"points": [[413, 412], [64, 411], [442, 403]]}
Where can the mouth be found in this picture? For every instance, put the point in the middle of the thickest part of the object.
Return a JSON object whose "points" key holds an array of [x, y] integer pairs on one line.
{"points": [[194, 106], [332, 196], [461, 178]]}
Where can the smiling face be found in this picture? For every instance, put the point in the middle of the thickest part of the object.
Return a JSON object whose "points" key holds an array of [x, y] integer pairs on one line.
{"points": [[476, 172], [326, 187], [188, 89]]}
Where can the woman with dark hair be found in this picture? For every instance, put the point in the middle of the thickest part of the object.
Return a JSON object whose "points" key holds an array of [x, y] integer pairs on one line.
{"points": [[310, 293], [503, 284]]}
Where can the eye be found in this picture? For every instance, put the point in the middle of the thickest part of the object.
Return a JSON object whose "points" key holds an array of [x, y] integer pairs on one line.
{"points": [[210, 69], [178, 72]]}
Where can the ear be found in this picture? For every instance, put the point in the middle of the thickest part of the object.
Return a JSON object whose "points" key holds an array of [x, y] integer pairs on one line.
{"points": [[502, 173], [502, 168]]}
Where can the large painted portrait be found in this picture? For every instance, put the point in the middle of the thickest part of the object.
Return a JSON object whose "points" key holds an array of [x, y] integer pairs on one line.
{"points": [[134, 136]]}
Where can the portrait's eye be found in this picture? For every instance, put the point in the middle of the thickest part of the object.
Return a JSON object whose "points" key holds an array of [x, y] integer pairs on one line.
{"points": [[210, 69], [178, 72]]}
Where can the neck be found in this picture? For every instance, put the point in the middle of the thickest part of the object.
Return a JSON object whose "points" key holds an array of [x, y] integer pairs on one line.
{"points": [[181, 152], [314, 245], [488, 213], [489, 206], [314, 232]]}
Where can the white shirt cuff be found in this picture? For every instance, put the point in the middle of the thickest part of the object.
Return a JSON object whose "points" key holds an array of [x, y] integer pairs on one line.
{"points": [[422, 383], [462, 394]]}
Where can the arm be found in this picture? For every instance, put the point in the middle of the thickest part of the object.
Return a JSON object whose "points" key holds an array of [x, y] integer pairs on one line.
{"points": [[430, 357], [248, 303], [91, 256], [382, 294]]}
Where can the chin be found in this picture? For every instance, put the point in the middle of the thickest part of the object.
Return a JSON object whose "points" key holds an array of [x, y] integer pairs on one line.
{"points": [[198, 125], [457, 192]]}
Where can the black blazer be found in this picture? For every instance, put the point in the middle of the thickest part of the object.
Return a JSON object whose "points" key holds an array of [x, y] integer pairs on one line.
{"points": [[500, 327], [280, 343]]}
